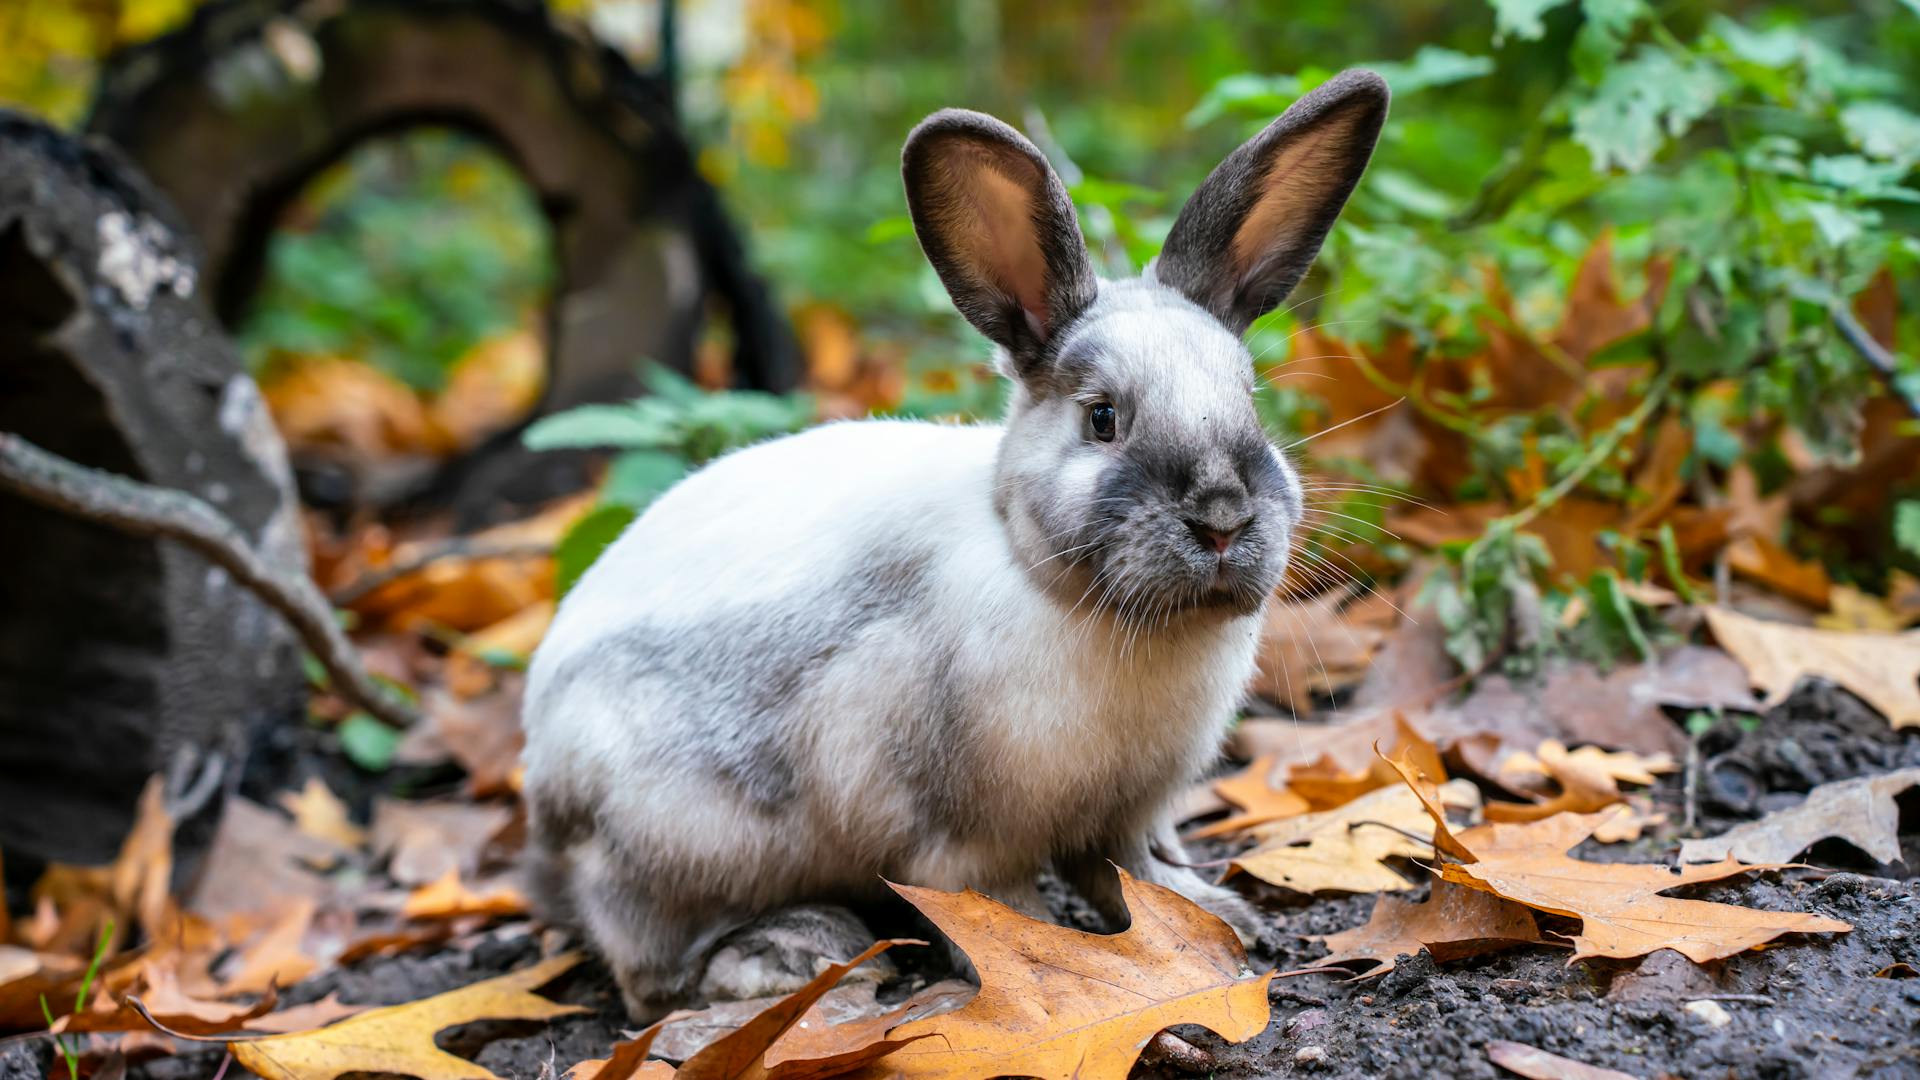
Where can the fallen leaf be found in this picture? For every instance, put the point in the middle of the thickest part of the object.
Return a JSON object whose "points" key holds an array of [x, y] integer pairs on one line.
{"points": [[1588, 778], [314, 1014], [159, 990], [277, 956], [257, 852], [1625, 823], [424, 841], [1863, 812], [742, 1054], [1619, 905], [491, 387], [824, 1029], [1764, 562], [319, 813], [1309, 647], [1537, 1064], [1324, 783], [399, 1038], [1881, 669], [1851, 609], [483, 735], [1056, 1003], [1452, 923], [1258, 801], [26, 977], [1345, 848], [447, 898], [1897, 971], [628, 1059]]}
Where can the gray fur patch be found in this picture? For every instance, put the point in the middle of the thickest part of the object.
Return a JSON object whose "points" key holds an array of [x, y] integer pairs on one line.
{"points": [[767, 658]]}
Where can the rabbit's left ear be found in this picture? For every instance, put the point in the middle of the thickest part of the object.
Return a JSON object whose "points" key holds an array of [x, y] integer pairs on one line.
{"points": [[1248, 234]]}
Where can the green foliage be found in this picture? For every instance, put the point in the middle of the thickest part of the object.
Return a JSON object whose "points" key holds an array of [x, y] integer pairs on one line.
{"points": [[70, 1046], [1906, 526], [587, 538], [1488, 600], [406, 254], [662, 437], [369, 743]]}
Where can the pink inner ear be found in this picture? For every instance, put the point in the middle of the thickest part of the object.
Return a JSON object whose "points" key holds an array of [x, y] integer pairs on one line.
{"points": [[1295, 185], [1003, 245]]}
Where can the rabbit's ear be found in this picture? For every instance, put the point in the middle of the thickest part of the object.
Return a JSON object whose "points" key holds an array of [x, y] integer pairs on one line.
{"points": [[998, 227], [1248, 234]]}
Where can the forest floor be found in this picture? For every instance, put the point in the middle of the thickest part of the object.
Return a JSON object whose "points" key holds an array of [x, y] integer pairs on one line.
{"points": [[1806, 1006]]}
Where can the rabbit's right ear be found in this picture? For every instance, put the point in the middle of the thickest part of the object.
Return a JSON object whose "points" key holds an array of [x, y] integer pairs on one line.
{"points": [[996, 223]]}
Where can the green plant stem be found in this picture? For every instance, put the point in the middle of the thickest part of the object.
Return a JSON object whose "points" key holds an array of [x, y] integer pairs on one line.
{"points": [[1600, 451]]}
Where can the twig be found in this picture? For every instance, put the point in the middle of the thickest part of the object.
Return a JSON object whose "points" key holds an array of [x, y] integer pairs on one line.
{"points": [[462, 547], [228, 1037], [139, 509], [1876, 355], [1745, 999]]}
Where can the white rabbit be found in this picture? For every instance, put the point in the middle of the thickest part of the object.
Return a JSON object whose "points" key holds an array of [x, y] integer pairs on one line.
{"points": [[943, 655]]}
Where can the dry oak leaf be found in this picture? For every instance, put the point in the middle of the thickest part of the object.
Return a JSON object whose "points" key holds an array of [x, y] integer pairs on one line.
{"points": [[1627, 821], [447, 898], [1344, 848], [399, 1038], [167, 1003], [1251, 790], [752, 1052], [628, 1059], [1880, 669], [1325, 784], [314, 1014], [1452, 923], [1619, 905], [1863, 812], [1588, 777], [319, 813], [1537, 1064], [1310, 647], [1056, 1003]]}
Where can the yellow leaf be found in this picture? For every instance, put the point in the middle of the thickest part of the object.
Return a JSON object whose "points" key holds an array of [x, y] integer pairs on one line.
{"points": [[399, 1038], [320, 814], [1345, 848]]}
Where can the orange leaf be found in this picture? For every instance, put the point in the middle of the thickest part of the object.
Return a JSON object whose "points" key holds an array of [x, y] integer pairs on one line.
{"points": [[447, 898], [319, 813], [1258, 800], [1056, 1003]]}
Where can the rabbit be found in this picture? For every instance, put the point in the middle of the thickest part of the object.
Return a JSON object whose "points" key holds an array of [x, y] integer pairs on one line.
{"points": [[945, 655]]}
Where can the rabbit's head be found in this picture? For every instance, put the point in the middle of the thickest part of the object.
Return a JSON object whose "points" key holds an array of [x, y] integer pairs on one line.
{"points": [[1134, 471]]}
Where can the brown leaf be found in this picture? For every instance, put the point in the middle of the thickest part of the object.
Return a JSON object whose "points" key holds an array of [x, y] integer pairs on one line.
{"points": [[399, 1038], [1345, 848], [447, 898], [159, 990], [1626, 822], [1309, 647], [1881, 669], [833, 1023], [742, 1054], [1056, 1003], [1537, 1064], [277, 956], [319, 813], [1324, 783], [483, 735], [628, 1059], [1619, 905], [424, 841], [27, 976], [257, 853], [1452, 923], [1863, 812], [314, 1014]]}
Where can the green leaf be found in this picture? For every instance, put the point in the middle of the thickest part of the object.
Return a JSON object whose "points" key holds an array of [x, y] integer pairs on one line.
{"points": [[621, 426], [584, 542], [1261, 95], [1640, 105], [369, 743], [1432, 66], [1521, 18], [1906, 526], [1883, 130], [638, 477]]}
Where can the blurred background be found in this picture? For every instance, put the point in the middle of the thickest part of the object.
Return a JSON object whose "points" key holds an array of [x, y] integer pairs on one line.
{"points": [[1624, 308]]}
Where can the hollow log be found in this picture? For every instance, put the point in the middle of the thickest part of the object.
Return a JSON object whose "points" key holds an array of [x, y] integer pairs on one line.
{"points": [[123, 657], [232, 114]]}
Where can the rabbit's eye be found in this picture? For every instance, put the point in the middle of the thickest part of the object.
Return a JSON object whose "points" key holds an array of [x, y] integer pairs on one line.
{"points": [[1100, 418]]}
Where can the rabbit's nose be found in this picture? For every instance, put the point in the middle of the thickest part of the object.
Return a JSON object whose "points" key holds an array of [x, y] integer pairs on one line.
{"points": [[1214, 537]]}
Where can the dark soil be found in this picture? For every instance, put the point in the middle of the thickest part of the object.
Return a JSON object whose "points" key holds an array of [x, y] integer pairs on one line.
{"points": [[1809, 1007]]}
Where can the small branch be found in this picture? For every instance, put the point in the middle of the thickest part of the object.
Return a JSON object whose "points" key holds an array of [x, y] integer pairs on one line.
{"points": [[461, 547], [139, 509], [1876, 355]]}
